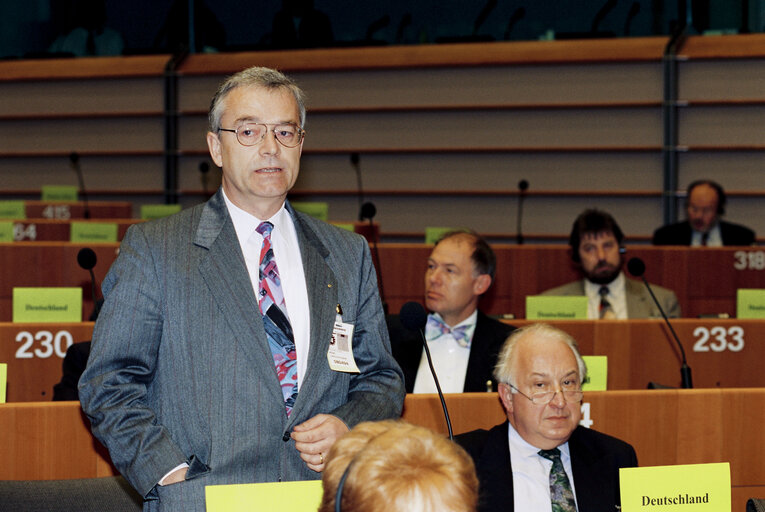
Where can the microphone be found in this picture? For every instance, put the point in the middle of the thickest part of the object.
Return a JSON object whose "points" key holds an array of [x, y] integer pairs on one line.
{"points": [[356, 163], [523, 186], [517, 16], [368, 211], [204, 170], [74, 163], [377, 25], [634, 10], [490, 5], [636, 267], [602, 13], [406, 20], [86, 259], [414, 318]]}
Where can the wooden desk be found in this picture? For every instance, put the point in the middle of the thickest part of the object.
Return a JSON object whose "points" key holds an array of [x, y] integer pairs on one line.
{"points": [[639, 352], [705, 280], [34, 354], [49, 264], [51, 440], [56, 230], [76, 209]]}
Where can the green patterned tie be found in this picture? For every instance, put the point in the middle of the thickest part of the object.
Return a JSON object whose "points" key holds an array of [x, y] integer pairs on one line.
{"points": [[561, 495]]}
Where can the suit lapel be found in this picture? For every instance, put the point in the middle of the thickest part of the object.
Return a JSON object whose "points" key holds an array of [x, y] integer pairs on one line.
{"points": [[321, 286], [479, 349], [590, 475], [496, 473], [225, 273]]}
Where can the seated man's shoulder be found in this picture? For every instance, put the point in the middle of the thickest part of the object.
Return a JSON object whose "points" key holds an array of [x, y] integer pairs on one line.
{"points": [[670, 234], [599, 443], [572, 288], [740, 234]]}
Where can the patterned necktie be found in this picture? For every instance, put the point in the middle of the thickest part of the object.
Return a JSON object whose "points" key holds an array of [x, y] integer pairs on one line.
{"points": [[275, 319], [436, 328], [605, 311], [561, 495], [705, 238]]}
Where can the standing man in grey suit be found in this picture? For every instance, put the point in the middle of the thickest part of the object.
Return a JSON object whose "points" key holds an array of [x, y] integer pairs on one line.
{"points": [[464, 342], [211, 359], [541, 458], [597, 246]]}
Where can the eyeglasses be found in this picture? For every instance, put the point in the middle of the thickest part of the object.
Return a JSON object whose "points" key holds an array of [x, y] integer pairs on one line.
{"points": [[289, 135], [545, 397]]}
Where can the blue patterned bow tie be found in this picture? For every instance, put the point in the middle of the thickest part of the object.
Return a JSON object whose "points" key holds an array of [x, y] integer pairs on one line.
{"points": [[436, 328]]}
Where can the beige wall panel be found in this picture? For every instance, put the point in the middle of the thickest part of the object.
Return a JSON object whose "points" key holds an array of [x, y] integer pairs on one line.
{"points": [[734, 170], [100, 134], [461, 86], [722, 79], [722, 126], [89, 96], [637, 171]]}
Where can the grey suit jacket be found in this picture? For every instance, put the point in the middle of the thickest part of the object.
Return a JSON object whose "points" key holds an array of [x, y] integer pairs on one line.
{"points": [[639, 301], [180, 369]]}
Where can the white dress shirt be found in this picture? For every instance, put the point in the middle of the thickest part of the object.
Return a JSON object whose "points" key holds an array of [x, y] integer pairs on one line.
{"points": [[288, 260], [713, 240], [617, 297], [450, 360], [531, 473]]}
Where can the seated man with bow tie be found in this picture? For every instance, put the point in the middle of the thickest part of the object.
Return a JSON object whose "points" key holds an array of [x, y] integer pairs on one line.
{"points": [[597, 247], [463, 341], [541, 459]]}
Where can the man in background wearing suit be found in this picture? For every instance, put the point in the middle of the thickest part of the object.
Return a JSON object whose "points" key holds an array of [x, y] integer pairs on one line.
{"points": [[463, 341], [597, 247], [704, 204], [210, 359], [541, 458]]}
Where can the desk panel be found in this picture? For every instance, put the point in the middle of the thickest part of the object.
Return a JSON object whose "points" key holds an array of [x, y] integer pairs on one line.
{"points": [[704, 279], [51, 440], [34, 354], [49, 264], [76, 209]]}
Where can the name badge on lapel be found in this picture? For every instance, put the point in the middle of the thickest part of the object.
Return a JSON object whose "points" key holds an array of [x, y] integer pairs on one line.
{"points": [[340, 352]]}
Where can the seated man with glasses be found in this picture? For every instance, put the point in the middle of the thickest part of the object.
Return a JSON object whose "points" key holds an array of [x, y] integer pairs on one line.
{"points": [[541, 458]]}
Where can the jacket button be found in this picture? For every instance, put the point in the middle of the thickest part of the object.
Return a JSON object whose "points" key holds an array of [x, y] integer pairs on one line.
{"points": [[286, 437]]}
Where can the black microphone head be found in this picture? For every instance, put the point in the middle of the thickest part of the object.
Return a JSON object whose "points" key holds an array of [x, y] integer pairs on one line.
{"points": [[368, 211], [86, 258], [204, 167], [74, 158], [413, 316], [355, 158], [636, 266], [523, 185]]}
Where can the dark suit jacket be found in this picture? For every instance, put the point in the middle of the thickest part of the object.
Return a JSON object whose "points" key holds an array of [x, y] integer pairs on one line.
{"points": [[595, 462], [680, 234], [180, 369], [488, 338]]}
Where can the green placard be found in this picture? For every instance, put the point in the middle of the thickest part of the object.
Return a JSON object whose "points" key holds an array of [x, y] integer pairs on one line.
{"points": [[157, 211], [348, 226], [597, 373], [549, 307], [315, 209], [48, 305], [305, 496], [13, 210], [681, 488], [3, 381], [434, 234], [6, 231], [750, 303], [93, 232], [59, 193]]}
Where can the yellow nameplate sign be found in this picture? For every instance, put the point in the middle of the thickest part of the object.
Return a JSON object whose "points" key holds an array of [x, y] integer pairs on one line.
{"points": [[13, 210], [6, 231], [597, 373], [157, 211], [303, 497], [434, 234], [59, 193], [93, 232], [686, 488], [549, 307], [316, 209], [3, 381], [47, 305], [750, 303]]}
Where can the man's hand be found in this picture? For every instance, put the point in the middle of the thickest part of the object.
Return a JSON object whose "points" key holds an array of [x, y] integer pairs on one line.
{"points": [[314, 438]]}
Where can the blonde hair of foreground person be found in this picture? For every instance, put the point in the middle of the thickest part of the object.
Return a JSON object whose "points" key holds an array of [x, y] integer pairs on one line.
{"points": [[399, 467]]}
